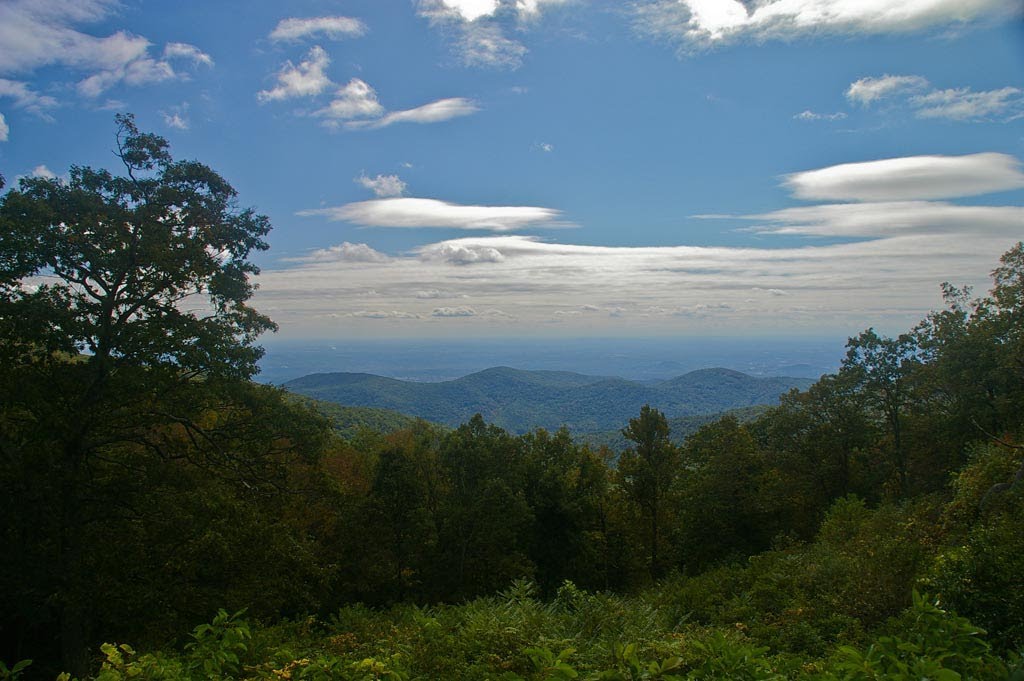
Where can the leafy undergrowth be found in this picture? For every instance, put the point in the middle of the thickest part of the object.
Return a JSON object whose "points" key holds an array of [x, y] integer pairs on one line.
{"points": [[578, 635]]}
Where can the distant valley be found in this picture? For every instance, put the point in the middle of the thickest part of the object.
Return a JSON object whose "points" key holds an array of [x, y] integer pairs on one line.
{"points": [[519, 400]]}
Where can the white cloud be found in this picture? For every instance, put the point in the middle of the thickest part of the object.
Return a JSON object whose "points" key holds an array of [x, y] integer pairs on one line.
{"points": [[497, 314], [458, 254], [380, 314], [546, 147], [808, 115], [884, 271], [355, 100], [189, 52], [892, 218], [434, 112], [726, 306], [912, 177], [453, 312], [176, 117], [35, 33], [26, 98], [413, 212], [43, 172], [480, 39], [383, 185], [837, 287], [486, 45], [531, 8], [958, 104], [435, 294], [465, 10], [701, 310], [5, 129], [176, 120], [475, 10], [40, 33], [335, 28], [346, 252], [356, 106], [868, 90], [303, 80], [962, 104], [140, 71], [702, 23]]}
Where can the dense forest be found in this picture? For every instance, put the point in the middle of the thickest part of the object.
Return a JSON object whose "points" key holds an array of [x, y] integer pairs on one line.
{"points": [[166, 518]]}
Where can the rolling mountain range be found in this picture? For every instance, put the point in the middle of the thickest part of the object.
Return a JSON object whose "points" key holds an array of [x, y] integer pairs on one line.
{"points": [[520, 401]]}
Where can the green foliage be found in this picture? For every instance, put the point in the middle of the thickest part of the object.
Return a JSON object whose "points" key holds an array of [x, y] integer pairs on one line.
{"points": [[515, 637], [566, 487], [719, 505], [121, 663], [804, 598], [647, 473], [882, 368], [15, 672], [819, 444], [351, 423], [217, 648], [982, 577], [723, 657], [680, 427], [551, 667], [629, 667], [121, 253], [929, 643]]}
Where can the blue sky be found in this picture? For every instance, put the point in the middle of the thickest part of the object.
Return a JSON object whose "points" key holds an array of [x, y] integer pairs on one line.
{"points": [[471, 168]]}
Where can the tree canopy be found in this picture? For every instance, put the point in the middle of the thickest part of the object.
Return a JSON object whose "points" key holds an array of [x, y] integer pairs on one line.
{"points": [[147, 269]]}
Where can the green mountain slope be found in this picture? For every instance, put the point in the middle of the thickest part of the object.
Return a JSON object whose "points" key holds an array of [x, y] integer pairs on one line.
{"points": [[522, 400], [348, 421]]}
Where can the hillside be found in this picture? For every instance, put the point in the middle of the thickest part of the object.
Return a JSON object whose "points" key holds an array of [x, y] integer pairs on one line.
{"points": [[522, 400], [349, 421]]}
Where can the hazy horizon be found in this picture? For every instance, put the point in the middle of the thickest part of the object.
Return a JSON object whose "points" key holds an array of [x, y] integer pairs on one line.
{"points": [[630, 358]]}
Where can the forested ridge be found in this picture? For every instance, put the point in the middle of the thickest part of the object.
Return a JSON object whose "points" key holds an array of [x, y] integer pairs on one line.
{"points": [[520, 401], [166, 518]]}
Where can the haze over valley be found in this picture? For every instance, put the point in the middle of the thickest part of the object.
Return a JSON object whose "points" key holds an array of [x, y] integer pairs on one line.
{"points": [[641, 359]]}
